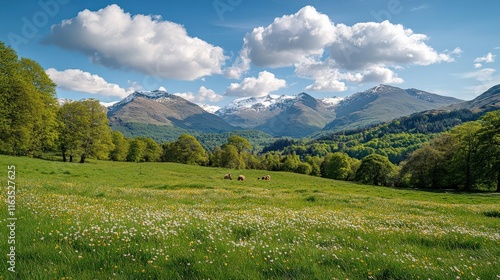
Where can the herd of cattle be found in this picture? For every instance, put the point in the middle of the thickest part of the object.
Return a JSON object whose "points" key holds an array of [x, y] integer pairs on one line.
{"points": [[242, 178]]}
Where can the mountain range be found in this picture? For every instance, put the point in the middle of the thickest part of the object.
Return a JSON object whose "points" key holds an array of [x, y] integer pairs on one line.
{"points": [[384, 103], [294, 116]]}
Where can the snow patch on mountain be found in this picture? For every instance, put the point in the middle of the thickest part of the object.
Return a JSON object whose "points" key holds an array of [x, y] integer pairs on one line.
{"points": [[108, 104], [159, 95], [255, 103], [331, 102], [209, 108]]}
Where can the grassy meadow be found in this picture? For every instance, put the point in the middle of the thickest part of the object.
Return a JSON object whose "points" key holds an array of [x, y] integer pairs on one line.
{"points": [[111, 220]]}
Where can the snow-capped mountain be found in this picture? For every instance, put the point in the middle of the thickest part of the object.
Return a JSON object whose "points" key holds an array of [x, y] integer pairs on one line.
{"points": [[280, 115], [163, 109], [384, 103]]}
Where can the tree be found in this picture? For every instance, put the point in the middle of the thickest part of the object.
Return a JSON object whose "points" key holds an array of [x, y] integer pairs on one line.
{"points": [[489, 150], [354, 163], [96, 140], [376, 170], [14, 117], [466, 154], [240, 143], [84, 130], [272, 161], [186, 150], [291, 163], [121, 146], [27, 106], [70, 132], [152, 151], [44, 133], [136, 150], [253, 162], [426, 168], [315, 162], [231, 159], [336, 166], [216, 157], [303, 168]]}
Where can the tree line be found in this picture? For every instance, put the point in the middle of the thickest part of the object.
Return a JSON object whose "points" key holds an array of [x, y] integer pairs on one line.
{"points": [[33, 123]]}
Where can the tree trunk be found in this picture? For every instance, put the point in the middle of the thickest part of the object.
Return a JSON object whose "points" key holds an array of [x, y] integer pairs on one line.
{"points": [[64, 156], [498, 181], [82, 159], [70, 158], [468, 182]]}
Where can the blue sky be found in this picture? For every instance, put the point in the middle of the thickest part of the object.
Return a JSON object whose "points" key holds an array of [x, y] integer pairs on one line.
{"points": [[214, 51]]}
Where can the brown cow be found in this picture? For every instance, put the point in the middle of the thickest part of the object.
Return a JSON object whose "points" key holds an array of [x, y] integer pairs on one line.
{"points": [[241, 178], [267, 178], [228, 176]]}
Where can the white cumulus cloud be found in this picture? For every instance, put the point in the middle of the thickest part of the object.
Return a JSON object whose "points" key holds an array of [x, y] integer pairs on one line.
{"points": [[288, 40], [144, 43], [370, 52], [335, 54], [265, 83], [384, 44], [488, 58], [327, 77], [203, 95], [85, 82]]}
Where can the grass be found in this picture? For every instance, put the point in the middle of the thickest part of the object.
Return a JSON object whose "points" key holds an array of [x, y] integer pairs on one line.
{"points": [[109, 220]]}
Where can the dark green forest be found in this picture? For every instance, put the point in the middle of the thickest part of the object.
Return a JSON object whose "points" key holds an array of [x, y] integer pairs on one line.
{"points": [[439, 150]]}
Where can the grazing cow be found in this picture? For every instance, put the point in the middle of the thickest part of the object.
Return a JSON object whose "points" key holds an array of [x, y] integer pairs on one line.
{"points": [[241, 178], [228, 176], [267, 178]]}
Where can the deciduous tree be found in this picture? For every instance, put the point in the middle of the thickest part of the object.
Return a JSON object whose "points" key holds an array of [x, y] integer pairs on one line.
{"points": [[188, 150], [84, 130], [27, 106], [336, 166], [466, 155], [489, 137], [121, 146], [136, 150], [376, 170]]}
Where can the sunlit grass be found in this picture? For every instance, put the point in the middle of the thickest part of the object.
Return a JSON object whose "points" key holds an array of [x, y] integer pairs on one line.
{"points": [[168, 221]]}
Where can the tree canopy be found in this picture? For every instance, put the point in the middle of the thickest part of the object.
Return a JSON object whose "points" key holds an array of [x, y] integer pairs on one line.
{"points": [[27, 106]]}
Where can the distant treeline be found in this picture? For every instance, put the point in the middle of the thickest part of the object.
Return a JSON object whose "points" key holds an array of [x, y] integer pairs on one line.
{"points": [[163, 133]]}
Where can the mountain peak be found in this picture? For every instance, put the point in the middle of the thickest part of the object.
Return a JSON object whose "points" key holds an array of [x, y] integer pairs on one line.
{"points": [[152, 94], [155, 94], [382, 89]]}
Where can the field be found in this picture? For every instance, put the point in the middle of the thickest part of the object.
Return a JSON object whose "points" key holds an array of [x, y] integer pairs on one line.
{"points": [[110, 220]]}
